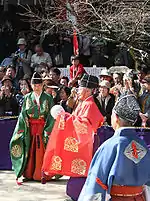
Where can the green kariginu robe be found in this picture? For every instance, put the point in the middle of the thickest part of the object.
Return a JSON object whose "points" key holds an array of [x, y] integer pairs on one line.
{"points": [[20, 142]]}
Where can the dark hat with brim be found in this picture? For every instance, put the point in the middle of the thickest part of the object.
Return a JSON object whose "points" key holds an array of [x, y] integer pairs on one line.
{"points": [[36, 79], [89, 81], [127, 108], [6, 78]]}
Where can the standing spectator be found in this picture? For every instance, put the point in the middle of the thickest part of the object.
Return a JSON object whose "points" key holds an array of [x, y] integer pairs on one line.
{"points": [[24, 88], [76, 71], [8, 60], [2, 73], [115, 90], [128, 84], [141, 73], [50, 87], [22, 59], [64, 81], [117, 78], [8, 103], [54, 75], [105, 101], [11, 72], [105, 75], [84, 49], [144, 101], [40, 57], [64, 93], [67, 49]]}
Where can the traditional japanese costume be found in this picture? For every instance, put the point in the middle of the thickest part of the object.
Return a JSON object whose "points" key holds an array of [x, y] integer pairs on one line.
{"points": [[70, 147], [120, 166], [35, 123]]}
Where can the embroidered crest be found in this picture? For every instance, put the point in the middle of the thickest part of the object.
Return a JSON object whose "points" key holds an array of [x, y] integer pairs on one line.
{"points": [[16, 151], [56, 163], [78, 166], [71, 144], [135, 152], [95, 197], [80, 128]]}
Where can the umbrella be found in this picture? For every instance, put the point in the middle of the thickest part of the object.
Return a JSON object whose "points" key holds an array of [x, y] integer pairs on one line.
{"points": [[118, 69]]}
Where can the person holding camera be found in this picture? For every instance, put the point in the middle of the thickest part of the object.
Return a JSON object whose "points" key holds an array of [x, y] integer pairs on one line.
{"points": [[8, 103], [22, 59]]}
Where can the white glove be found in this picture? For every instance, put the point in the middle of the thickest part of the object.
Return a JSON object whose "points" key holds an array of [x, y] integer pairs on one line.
{"points": [[56, 110]]}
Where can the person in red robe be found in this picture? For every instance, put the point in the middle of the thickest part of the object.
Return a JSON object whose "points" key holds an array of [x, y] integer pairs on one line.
{"points": [[76, 71], [70, 147]]}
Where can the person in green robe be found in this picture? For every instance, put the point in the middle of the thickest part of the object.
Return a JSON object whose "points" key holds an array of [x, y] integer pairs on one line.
{"points": [[35, 123]]}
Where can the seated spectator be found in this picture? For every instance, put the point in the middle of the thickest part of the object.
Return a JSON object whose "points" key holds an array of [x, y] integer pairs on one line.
{"points": [[105, 101], [144, 101], [76, 71], [54, 75], [40, 58], [64, 81], [8, 103], [64, 94], [2, 74], [24, 88], [22, 59]]}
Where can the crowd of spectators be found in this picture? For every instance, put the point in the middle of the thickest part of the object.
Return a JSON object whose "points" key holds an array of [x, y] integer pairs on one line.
{"points": [[15, 80]]}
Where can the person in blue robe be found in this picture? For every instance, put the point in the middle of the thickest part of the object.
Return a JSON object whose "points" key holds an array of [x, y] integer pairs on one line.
{"points": [[120, 168]]}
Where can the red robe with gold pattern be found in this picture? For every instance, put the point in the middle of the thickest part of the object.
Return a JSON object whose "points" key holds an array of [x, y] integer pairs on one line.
{"points": [[70, 146]]}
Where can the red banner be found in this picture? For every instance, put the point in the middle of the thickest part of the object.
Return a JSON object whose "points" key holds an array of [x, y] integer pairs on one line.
{"points": [[75, 43]]}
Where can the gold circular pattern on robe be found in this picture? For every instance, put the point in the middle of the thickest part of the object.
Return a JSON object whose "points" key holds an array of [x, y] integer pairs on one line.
{"points": [[56, 163], [78, 166], [16, 151]]}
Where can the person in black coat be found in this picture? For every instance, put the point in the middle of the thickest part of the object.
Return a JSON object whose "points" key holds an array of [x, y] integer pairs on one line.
{"points": [[105, 101], [8, 102]]}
